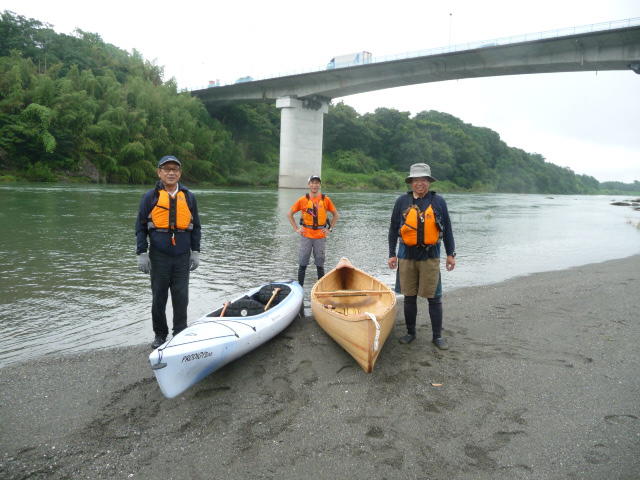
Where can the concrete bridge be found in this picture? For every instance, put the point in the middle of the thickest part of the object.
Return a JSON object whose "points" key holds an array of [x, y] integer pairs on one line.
{"points": [[304, 98]]}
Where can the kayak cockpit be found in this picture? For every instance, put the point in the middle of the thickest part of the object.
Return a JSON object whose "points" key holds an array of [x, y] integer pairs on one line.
{"points": [[249, 306]]}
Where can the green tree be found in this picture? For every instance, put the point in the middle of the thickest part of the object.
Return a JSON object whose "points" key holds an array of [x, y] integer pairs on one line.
{"points": [[40, 118]]}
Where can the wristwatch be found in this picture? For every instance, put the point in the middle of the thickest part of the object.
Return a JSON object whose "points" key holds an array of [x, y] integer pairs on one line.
{"points": [[453, 255]]}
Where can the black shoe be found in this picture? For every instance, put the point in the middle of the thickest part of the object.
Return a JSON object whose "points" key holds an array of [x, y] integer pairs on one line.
{"points": [[408, 338], [441, 343], [159, 340]]}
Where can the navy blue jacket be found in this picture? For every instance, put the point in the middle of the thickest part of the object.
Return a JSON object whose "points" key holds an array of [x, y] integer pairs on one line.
{"points": [[441, 213], [185, 241]]}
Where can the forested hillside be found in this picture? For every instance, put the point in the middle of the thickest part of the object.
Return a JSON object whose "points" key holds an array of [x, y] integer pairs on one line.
{"points": [[468, 157], [74, 108]]}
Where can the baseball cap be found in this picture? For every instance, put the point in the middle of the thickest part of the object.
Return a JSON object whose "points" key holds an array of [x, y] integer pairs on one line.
{"points": [[168, 158]]}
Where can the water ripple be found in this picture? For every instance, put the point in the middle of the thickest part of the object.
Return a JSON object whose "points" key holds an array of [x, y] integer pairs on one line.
{"points": [[70, 282]]}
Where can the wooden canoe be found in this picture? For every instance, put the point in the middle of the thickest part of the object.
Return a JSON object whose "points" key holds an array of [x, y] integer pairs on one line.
{"points": [[356, 310]]}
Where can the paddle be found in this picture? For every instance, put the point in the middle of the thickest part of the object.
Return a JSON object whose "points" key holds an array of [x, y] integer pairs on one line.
{"points": [[224, 308], [275, 291]]}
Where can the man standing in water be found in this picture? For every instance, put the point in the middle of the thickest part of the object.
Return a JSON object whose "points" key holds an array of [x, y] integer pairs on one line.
{"points": [[421, 220], [168, 216], [314, 226]]}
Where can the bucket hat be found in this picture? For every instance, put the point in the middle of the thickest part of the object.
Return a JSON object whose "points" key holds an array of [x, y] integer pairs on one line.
{"points": [[419, 170]]}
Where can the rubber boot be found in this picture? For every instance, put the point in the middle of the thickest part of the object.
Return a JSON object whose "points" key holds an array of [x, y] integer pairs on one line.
{"points": [[435, 315], [320, 272], [410, 313], [410, 316], [301, 272]]}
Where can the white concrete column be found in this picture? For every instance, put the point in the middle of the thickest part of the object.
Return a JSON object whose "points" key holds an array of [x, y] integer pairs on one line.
{"points": [[301, 123]]}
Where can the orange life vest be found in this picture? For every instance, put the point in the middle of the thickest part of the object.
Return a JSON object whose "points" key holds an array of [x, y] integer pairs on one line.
{"points": [[419, 228], [171, 213], [315, 215]]}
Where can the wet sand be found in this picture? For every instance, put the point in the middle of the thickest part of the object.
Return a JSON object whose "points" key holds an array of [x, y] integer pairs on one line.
{"points": [[540, 382]]}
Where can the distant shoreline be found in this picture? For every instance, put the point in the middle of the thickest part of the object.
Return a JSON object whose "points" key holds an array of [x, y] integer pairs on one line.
{"points": [[9, 179]]}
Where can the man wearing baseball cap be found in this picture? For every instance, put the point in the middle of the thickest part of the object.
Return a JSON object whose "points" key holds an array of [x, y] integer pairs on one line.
{"points": [[314, 226], [168, 217], [420, 220]]}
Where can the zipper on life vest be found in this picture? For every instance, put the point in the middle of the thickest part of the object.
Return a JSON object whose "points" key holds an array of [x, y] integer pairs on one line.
{"points": [[173, 212]]}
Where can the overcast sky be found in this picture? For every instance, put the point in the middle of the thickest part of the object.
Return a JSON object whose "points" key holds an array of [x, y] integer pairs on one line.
{"points": [[589, 122]]}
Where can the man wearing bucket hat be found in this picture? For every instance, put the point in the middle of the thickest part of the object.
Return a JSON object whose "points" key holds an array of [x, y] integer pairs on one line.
{"points": [[420, 223], [314, 226], [168, 217]]}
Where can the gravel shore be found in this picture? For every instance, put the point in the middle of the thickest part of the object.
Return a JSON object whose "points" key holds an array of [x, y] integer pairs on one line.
{"points": [[540, 382]]}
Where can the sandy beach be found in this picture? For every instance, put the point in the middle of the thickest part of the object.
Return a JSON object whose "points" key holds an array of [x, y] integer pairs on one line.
{"points": [[540, 382]]}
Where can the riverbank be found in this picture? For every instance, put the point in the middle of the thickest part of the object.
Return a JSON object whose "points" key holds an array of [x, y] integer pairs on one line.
{"points": [[540, 382]]}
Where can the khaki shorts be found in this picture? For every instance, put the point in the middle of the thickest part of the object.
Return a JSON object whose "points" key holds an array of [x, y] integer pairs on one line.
{"points": [[419, 277]]}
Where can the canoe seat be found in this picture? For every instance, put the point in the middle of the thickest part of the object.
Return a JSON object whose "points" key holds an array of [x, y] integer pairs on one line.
{"points": [[350, 293], [348, 310]]}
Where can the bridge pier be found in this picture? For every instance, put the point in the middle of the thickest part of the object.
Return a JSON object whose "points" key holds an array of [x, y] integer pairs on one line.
{"points": [[301, 124]]}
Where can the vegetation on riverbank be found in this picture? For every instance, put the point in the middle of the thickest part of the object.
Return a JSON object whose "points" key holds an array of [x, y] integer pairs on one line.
{"points": [[74, 108]]}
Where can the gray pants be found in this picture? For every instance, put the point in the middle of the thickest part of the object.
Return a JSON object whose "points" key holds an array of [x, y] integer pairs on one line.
{"points": [[308, 245]]}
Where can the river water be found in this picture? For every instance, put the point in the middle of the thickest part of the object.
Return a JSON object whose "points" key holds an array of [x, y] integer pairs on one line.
{"points": [[69, 280]]}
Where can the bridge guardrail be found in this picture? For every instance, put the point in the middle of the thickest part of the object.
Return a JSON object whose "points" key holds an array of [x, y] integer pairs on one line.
{"points": [[528, 37]]}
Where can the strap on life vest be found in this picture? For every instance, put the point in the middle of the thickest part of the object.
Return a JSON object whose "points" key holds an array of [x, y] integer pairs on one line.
{"points": [[313, 211], [427, 230]]}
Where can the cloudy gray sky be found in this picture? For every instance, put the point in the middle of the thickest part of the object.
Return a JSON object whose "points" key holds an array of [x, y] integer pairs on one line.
{"points": [[588, 122]]}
